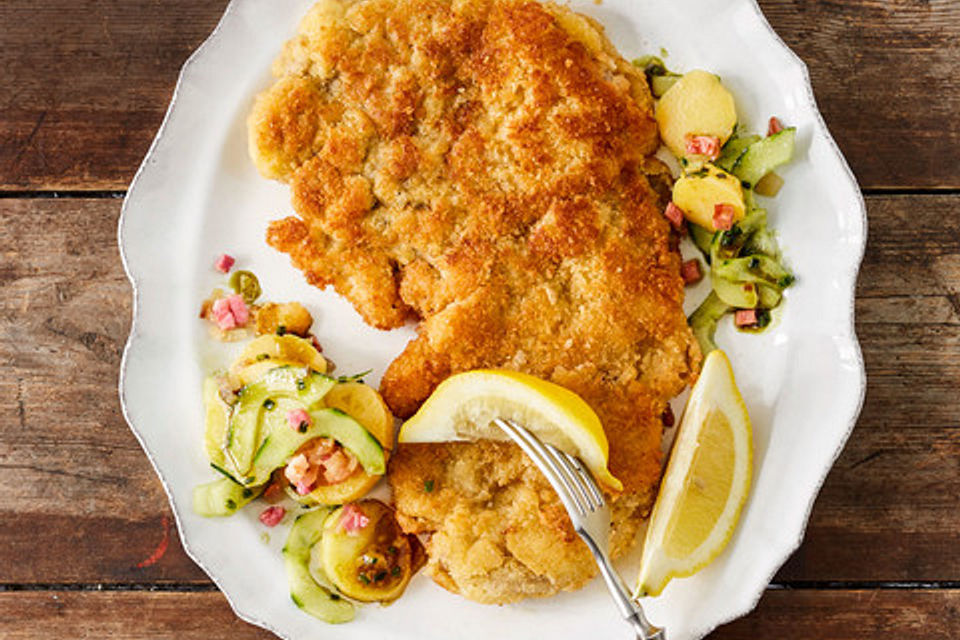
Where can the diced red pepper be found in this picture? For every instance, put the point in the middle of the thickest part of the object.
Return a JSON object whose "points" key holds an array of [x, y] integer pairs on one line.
{"points": [[222, 315], [271, 516], [353, 519], [676, 216], [708, 146], [745, 317], [775, 126], [691, 272], [224, 263], [299, 419], [316, 343], [723, 216]]}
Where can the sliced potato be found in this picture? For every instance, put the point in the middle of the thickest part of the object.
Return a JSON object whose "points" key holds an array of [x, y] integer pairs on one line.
{"points": [[353, 488], [285, 317], [366, 406], [699, 105], [374, 562], [271, 351], [698, 193], [362, 403]]}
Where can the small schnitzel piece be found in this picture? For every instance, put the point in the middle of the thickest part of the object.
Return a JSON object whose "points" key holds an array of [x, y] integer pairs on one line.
{"points": [[483, 166]]}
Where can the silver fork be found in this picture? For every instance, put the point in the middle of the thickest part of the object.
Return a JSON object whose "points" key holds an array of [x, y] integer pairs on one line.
{"points": [[589, 514]]}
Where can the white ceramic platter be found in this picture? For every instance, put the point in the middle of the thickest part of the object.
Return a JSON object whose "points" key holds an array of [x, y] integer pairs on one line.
{"points": [[197, 195]]}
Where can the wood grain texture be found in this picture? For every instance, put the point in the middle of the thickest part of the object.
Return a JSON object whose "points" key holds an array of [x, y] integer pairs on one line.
{"points": [[81, 501], [89, 83], [784, 615]]}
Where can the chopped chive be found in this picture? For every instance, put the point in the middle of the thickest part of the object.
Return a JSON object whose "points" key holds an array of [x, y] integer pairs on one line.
{"points": [[282, 330], [428, 486], [231, 504], [395, 571], [380, 576], [269, 404], [363, 578], [247, 492]]}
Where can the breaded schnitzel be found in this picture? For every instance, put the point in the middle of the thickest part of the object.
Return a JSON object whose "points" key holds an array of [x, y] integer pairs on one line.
{"points": [[483, 166]]}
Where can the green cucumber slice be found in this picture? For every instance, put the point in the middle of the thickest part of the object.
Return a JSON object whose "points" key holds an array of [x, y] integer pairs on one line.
{"points": [[742, 295], [282, 442], [702, 237], [215, 424], [222, 497], [733, 149], [320, 601], [765, 155], [245, 436], [704, 321]]}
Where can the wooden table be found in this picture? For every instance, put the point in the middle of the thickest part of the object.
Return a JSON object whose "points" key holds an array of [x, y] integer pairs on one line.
{"points": [[86, 543]]}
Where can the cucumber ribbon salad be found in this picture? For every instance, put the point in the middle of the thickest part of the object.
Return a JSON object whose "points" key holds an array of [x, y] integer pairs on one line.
{"points": [[279, 428], [723, 170]]}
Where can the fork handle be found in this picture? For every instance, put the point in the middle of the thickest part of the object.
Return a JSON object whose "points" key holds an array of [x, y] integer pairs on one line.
{"points": [[629, 608]]}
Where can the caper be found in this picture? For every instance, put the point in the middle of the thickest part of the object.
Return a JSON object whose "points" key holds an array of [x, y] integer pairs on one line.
{"points": [[246, 284]]}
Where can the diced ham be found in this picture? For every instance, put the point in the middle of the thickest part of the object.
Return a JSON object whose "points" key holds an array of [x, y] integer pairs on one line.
{"points": [[723, 216], [271, 516], [241, 314], [675, 215], [708, 146], [690, 271], [301, 473], [305, 486], [296, 468], [298, 419], [273, 493], [224, 263], [353, 519], [775, 126], [337, 466], [322, 447], [222, 315], [745, 317]]}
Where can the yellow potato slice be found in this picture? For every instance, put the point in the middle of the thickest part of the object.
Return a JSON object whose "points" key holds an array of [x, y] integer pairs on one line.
{"points": [[698, 193], [366, 406], [696, 105], [271, 351]]}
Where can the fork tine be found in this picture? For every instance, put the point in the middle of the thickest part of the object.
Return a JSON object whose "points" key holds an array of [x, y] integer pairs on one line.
{"points": [[588, 479], [570, 471], [550, 467]]}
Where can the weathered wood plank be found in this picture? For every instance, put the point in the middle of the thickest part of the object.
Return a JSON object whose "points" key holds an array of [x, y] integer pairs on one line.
{"points": [[89, 83], [81, 501], [885, 77], [814, 615], [785, 615]]}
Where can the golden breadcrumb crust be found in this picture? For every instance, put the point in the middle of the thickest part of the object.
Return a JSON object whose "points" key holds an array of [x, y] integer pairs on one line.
{"points": [[483, 166]]}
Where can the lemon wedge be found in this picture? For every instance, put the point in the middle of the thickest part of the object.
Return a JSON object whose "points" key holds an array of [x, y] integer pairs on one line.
{"points": [[464, 406], [706, 482]]}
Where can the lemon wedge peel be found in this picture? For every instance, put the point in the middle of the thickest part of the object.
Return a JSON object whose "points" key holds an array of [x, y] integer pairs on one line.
{"points": [[688, 529], [463, 407]]}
